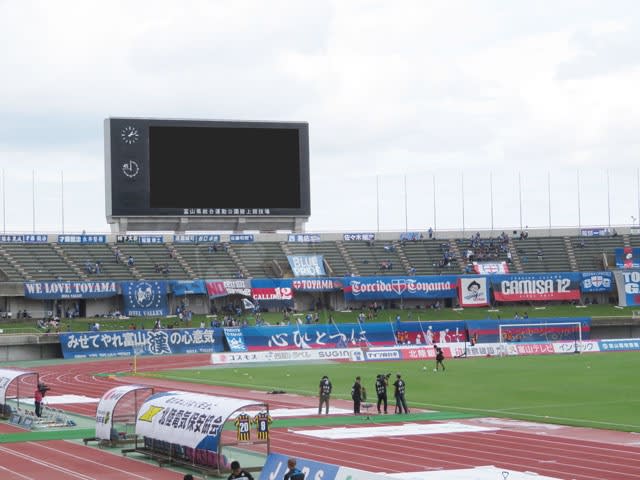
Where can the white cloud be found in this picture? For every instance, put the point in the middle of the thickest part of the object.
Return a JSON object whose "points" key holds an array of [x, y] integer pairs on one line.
{"points": [[411, 88]]}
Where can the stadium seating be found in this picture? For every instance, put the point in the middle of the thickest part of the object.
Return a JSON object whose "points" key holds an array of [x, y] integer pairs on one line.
{"points": [[41, 261], [590, 251], [554, 258], [263, 259], [205, 262]]}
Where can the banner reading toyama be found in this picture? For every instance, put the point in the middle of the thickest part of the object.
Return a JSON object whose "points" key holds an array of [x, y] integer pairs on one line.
{"points": [[145, 298], [596, 282], [536, 287], [396, 288], [57, 290], [317, 284], [473, 292], [628, 288], [628, 257]]}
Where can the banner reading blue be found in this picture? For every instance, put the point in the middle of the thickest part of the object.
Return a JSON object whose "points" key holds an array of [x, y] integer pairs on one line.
{"points": [[593, 282], [141, 342], [396, 288], [307, 265], [181, 288], [57, 290], [145, 298]]}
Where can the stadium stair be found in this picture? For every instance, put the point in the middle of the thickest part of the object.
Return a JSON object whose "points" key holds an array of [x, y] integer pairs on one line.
{"points": [[238, 261], [453, 247], [182, 262], [571, 254], [347, 258], [403, 256], [63, 255], [515, 257]]}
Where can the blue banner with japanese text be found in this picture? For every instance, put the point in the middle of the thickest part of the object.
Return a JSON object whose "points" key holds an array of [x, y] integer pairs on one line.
{"points": [[82, 238], [145, 298], [396, 288], [342, 335], [235, 339], [141, 342], [57, 290], [30, 238]]}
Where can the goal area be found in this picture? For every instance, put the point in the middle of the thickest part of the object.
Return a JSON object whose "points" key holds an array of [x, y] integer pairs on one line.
{"points": [[540, 333]]}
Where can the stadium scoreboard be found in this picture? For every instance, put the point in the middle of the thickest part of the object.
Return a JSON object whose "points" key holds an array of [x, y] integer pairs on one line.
{"points": [[206, 172]]}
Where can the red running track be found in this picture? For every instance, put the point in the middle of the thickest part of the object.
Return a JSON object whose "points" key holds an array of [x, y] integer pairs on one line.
{"points": [[564, 456]]}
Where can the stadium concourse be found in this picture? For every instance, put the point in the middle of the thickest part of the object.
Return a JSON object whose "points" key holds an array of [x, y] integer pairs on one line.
{"points": [[423, 445]]}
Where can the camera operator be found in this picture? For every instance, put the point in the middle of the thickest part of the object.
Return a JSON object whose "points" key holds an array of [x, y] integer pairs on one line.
{"points": [[39, 394], [382, 381]]}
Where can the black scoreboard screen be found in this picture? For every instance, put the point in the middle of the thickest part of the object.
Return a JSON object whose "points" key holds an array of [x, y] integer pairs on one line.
{"points": [[206, 168]]}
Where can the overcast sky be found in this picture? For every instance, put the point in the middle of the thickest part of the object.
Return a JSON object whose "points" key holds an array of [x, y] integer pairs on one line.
{"points": [[539, 99]]}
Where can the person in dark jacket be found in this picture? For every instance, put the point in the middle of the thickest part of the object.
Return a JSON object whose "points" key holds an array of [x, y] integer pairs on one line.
{"points": [[356, 395], [401, 403], [325, 388]]}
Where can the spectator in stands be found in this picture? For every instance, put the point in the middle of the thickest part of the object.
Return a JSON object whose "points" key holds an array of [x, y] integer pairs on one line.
{"points": [[582, 243], [430, 232], [539, 253], [130, 261]]}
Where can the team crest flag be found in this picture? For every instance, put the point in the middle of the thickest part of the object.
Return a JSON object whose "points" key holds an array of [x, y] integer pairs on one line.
{"points": [[145, 298]]}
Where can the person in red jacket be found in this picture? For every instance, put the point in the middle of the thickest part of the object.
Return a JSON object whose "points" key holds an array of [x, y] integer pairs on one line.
{"points": [[37, 400]]}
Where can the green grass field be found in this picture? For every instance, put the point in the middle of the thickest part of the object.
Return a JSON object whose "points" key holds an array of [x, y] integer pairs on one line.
{"points": [[429, 315], [589, 390]]}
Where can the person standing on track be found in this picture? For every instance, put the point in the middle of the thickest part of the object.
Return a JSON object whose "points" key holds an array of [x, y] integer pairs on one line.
{"points": [[401, 403], [381, 391], [439, 358], [325, 393], [37, 401], [356, 395]]}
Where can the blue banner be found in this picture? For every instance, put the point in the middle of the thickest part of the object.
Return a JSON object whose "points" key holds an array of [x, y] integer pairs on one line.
{"points": [[543, 330], [411, 236], [181, 288], [593, 282], [317, 284], [143, 239], [141, 342], [206, 238], [342, 335], [57, 290], [307, 265], [145, 298], [35, 238], [628, 257], [82, 239], [235, 339], [396, 288], [244, 238], [595, 232], [303, 238], [355, 237], [275, 467], [619, 345]]}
